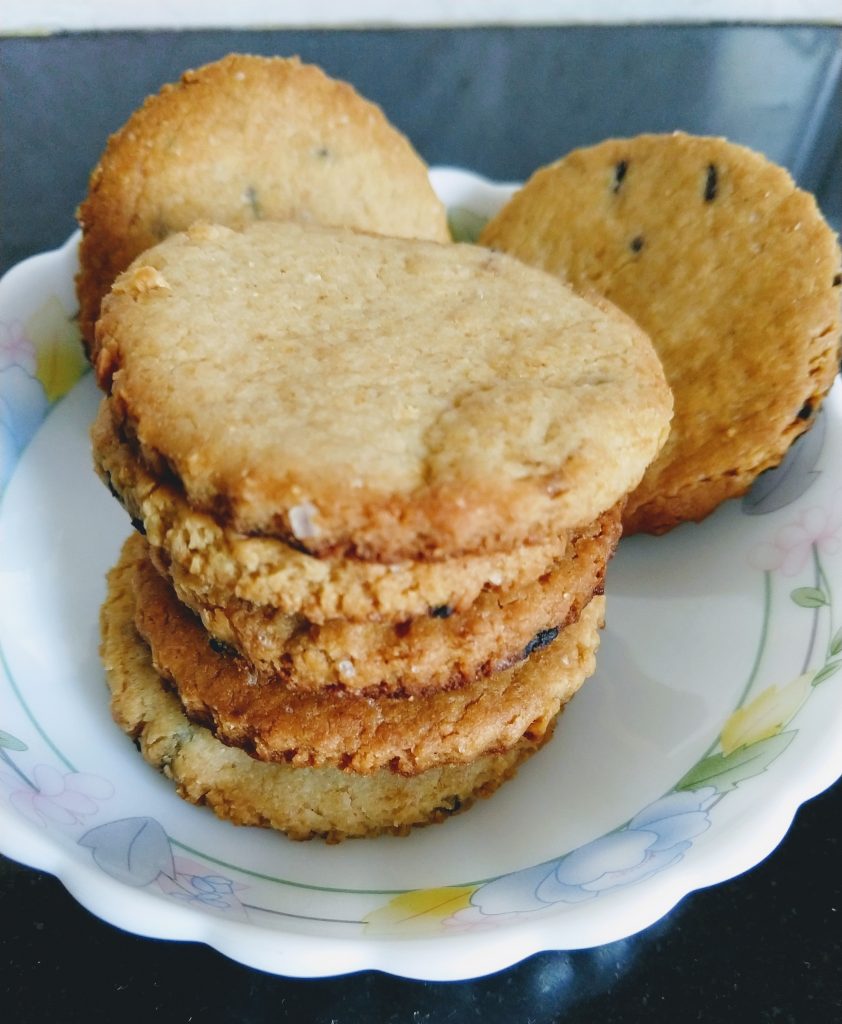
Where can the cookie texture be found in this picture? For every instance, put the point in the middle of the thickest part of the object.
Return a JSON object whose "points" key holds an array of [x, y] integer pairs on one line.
{"points": [[439, 651], [215, 566], [303, 802], [728, 267], [349, 731], [248, 138], [384, 398]]}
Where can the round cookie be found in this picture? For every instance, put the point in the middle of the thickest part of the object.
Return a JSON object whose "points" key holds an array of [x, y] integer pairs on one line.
{"points": [[302, 802], [427, 653], [359, 734], [727, 266], [241, 139], [212, 565], [383, 398]]}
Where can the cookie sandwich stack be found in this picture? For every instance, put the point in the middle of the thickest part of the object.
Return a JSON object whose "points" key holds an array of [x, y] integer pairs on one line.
{"points": [[376, 483]]}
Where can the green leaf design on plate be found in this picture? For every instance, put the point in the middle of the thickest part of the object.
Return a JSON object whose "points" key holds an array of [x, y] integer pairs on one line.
{"points": [[464, 224], [725, 772], [836, 642], [831, 668], [11, 742], [809, 597]]}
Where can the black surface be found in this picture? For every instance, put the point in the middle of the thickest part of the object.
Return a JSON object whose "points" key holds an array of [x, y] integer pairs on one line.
{"points": [[763, 947]]}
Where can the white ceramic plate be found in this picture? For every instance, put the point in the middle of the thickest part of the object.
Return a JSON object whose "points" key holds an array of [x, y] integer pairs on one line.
{"points": [[715, 711]]}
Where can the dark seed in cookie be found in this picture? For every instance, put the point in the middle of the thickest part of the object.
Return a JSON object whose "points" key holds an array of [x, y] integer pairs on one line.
{"points": [[711, 183], [837, 280], [543, 638], [619, 173], [218, 647], [254, 202], [806, 410], [138, 525], [636, 243], [444, 611]]}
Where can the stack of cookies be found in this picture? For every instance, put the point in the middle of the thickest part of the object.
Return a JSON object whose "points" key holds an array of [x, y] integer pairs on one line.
{"points": [[376, 483]]}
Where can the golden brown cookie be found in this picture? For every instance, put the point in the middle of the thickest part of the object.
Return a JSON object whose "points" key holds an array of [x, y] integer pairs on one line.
{"points": [[214, 565], [386, 398], [303, 802], [728, 267], [352, 732], [248, 138], [430, 652]]}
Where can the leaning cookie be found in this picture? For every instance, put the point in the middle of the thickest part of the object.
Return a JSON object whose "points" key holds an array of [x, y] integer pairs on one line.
{"points": [[302, 802], [732, 272], [356, 733], [242, 139]]}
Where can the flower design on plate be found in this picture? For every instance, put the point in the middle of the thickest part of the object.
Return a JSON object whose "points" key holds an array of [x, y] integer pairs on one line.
{"points": [[816, 528], [60, 798], [39, 362], [652, 841]]}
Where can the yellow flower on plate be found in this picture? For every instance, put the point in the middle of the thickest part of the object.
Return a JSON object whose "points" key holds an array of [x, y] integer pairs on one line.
{"points": [[59, 361], [420, 911], [766, 715]]}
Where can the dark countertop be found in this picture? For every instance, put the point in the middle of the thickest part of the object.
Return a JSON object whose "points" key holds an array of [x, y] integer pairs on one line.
{"points": [[763, 947]]}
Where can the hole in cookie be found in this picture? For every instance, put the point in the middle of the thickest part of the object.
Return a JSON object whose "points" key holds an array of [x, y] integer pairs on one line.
{"points": [[636, 244], [711, 183], [620, 170], [321, 152]]}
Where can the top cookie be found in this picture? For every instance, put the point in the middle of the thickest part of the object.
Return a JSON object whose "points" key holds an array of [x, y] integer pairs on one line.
{"points": [[727, 266], [373, 396], [242, 139]]}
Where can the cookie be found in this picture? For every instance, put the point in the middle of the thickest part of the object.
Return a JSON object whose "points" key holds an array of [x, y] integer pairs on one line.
{"points": [[728, 267], [383, 398], [242, 139], [302, 802], [212, 565], [431, 652], [356, 733]]}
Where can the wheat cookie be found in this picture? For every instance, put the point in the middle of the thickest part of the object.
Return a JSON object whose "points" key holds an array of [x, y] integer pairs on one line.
{"points": [[303, 802], [213, 565], [432, 652], [219, 689], [248, 138], [383, 398], [729, 268]]}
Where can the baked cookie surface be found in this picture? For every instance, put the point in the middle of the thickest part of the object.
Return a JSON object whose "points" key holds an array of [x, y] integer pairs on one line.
{"points": [[215, 565], [728, 267], [356, 733], [241, 139], [382, 397], [303, 802]]}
